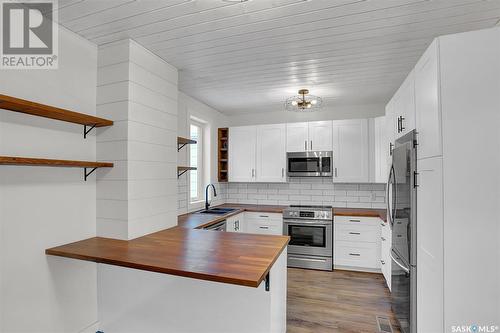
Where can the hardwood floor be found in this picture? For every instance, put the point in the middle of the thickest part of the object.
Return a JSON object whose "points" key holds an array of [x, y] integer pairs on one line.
{"points": [[336, 302]]}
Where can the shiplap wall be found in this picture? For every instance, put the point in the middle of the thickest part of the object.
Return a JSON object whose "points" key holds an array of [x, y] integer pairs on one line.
{"points": [[138, 91]]}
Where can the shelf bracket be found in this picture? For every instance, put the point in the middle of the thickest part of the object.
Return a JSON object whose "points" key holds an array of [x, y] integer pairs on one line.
{"points": [[180, 146], [87, 131], [267, 282], [182, 172], [86, 174]]}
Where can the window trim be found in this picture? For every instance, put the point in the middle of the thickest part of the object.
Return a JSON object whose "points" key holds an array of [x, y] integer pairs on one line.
{"points": [[201, 163]]}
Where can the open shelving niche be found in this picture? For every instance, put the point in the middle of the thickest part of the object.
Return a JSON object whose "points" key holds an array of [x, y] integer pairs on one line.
{"points": [[181, 142], [36, 109], [223, 154]]}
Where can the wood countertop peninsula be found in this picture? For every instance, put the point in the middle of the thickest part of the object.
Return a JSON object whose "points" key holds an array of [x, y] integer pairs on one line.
{"points": [[188, 250]]}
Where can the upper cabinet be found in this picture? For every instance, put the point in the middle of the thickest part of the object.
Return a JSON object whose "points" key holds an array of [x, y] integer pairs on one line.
{"points": [[257, 153], [242, 153], [350, 150], [427, 100], [380, 150], [271, 155], [309, 136], [404, 106], [320, 135], [297, 137]]}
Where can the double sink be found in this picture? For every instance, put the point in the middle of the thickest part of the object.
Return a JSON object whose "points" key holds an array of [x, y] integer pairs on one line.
{"points": [[217, 211]]}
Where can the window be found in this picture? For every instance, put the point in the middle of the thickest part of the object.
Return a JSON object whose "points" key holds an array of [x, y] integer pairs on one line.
{"points": [[196, 160]]}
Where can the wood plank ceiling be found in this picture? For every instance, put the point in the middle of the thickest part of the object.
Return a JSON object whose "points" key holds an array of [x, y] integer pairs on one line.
{"points": [[248, 57]]}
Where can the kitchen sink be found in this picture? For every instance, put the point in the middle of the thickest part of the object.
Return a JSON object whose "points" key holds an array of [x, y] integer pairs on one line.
{"points": [[217, 211]]}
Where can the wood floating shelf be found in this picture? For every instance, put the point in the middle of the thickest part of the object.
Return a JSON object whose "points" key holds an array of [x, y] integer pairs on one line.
{"points": [[223, 154], [183, 169], [28, 161], [181, 142], [36, 109]]}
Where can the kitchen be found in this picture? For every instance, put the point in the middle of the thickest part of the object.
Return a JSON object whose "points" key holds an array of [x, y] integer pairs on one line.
{"points": [[253, 166]]}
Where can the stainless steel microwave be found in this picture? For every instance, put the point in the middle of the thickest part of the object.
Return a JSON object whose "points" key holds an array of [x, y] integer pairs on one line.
{"points": [[310, 164]]}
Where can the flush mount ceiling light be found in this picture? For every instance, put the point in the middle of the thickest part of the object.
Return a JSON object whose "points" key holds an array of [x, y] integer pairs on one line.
{"points": [[303, 102]]}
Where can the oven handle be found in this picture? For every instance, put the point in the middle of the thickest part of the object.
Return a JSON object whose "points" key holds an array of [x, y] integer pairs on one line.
{"points": [[322, 223], [307, 259]]}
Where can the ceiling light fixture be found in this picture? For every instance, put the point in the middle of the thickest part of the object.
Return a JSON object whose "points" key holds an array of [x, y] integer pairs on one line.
{"points": [[303, 102]]}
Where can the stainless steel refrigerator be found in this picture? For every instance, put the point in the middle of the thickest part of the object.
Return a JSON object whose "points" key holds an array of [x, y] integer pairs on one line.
{"points": [[401, 202]]}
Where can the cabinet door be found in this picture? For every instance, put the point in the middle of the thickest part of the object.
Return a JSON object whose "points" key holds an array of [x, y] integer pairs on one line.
{"points": [[320, 135], [381, 150], [297, 137], [390, 128], [430, 245], [235, 223], [405, 109], [350, 150], [242, 145], [428, 105], [271, 154]]}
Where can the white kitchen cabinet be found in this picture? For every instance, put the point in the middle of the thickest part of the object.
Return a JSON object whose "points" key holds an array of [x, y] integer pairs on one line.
{"points": [[297, 137], [357, 243], [320, 136], [428, 104], [350, 150], [385, 250], [264, 223], [236, 223], [430, 245], [380, 147], [309, 136], [405, 106], [390, 129], [271, 155], [242, 153]]}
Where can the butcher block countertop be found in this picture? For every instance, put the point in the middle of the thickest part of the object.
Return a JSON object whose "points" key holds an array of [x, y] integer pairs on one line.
{"points": [[188, 250]]}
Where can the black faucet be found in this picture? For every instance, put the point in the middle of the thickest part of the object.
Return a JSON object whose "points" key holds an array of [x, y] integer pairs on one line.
{"points": [[206, 195]]}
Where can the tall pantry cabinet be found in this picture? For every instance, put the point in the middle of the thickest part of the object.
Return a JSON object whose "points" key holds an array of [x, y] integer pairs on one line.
{"points": [[457, 103]]}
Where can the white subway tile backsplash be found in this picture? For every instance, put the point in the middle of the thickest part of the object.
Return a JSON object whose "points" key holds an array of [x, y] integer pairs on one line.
{"points": [[308, 191]]}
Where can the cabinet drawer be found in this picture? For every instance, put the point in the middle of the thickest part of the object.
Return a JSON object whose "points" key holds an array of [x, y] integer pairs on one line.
{"points": [[358, 220], [259, 215], [357, 232], [357, 254], [263, 228]]}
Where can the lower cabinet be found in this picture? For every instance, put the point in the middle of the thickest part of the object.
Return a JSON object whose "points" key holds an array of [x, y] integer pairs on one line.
{"points": [[385, 252], [236, 223], [357, 243], [264, 223]]}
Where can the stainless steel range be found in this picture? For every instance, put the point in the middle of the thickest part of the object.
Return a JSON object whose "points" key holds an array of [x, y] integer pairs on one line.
{"points": [[311, 236]]}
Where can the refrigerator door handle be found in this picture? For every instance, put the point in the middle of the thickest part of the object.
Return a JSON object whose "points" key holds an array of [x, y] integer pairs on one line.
{"points": [[389, 208], [406, 269]]}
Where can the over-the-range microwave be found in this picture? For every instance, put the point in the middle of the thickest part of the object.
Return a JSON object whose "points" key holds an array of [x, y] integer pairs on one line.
{"points": [[310, 164]]}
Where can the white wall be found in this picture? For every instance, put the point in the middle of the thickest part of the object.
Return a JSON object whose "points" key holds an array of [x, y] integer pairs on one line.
{"points": [[139, 91], [281, 116], [41, 207], [190, 107]]}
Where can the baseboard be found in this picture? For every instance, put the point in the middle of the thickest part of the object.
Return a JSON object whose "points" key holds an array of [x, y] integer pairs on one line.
{"points": [[358, 269]]}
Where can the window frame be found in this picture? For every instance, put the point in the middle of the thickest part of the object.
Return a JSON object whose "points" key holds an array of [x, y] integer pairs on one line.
{"points": [[200, 144]]}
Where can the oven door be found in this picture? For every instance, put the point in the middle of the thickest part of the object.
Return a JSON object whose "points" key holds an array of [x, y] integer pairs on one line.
{"points": [[312, 238], [303, 165]]}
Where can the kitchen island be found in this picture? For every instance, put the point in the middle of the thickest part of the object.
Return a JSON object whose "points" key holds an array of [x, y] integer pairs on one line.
{"points": [[187, 279]]}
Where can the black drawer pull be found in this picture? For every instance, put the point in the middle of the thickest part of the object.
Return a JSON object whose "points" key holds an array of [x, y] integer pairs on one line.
{"points": [[354, 233], [355, 254], [354, 220]]}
